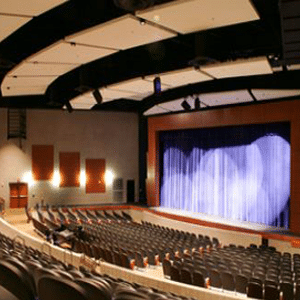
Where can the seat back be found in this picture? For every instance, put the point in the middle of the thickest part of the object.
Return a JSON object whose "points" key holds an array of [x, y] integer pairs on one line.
{"points": [[12, 279], [241, 283], [228, 281], [254, 290], [50, 288]]}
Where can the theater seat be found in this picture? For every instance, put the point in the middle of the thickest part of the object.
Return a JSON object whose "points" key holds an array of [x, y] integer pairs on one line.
{"points": [[13, 280], [50, 288], [6, 295]]}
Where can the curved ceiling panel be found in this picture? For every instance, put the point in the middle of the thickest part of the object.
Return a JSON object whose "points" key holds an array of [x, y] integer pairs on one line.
{"points": [[28, 7], [187, 16], [41, 69], [239, 68], [10, 23], [123, 33], [68, 53], [25, 85]]}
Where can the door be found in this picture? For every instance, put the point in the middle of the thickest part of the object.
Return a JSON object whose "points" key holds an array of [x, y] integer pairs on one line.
{"points": [[18, 194]]}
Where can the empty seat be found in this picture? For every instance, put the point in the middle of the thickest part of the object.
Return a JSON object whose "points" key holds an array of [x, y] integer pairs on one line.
{"points": [[287, 290], [50, 288], [186, 276], [175, 273], [228, 281], [198, 279], [94, 289], [215, 278], [271, 292], [254, 290], [14, 281], [241, 283]]}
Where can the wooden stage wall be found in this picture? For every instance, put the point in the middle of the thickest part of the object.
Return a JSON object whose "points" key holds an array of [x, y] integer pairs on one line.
{"points": [[261, 113]]}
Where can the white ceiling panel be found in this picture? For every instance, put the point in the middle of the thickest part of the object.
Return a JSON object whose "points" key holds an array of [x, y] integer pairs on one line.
{"points": [[187, 16], [110, 95], [28, 80], [238, 68], [9, 24], [181, 77], [67, 53], [23, 90], [123, 33], [293, 67], [86, 101], [41, 69], [28, 7], [261, 94], [26, 85], [155, 110], [224, 98]]}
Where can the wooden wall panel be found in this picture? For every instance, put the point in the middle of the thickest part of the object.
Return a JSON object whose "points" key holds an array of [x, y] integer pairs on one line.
{"points": [[95, 175], [283, 111], [69, 168], [42, 162]]}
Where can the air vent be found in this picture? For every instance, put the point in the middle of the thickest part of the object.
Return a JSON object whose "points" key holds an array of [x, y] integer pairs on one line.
{"points": [[290, 23], [16, 123]]}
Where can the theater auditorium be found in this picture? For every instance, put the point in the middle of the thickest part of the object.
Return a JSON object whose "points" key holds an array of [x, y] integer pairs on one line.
{"points": [[149, 149]]}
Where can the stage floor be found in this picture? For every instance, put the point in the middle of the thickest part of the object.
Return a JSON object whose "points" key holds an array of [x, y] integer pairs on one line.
{"points": [[223, 221]]}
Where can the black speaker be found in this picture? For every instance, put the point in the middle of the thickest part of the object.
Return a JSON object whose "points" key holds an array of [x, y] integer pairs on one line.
{"points": [[130, 191]]}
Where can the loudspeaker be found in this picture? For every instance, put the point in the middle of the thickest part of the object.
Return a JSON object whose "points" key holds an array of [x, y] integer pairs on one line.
{"points": [[97, 96], [130, 191]]}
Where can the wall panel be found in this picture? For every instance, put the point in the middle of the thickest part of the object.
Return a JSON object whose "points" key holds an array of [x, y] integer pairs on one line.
{"points": [[42, 162], [95, 175], [69, 168]]}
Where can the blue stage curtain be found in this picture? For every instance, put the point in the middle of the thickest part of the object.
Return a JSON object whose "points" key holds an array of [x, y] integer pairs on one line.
{"points": [[240, 173]]}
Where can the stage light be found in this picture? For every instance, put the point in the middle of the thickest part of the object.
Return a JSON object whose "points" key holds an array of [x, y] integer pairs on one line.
{"points": [[69, 107], [197, 103], [185, 105], [97, 96]]}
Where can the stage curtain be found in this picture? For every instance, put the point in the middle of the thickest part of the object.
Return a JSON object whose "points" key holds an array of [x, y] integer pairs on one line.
{"points": [[239, 173], [42, 162], [69, 167], [95, 175]]}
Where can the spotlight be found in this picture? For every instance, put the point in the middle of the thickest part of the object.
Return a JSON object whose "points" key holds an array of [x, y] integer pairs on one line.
{"points": [[197, 103], [186, 106], [97, 96], [69, 107], [157, 85]]}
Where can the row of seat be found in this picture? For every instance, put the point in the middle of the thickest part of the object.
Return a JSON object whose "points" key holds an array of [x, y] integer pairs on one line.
{"points": [[192, 259], [28, 274]]}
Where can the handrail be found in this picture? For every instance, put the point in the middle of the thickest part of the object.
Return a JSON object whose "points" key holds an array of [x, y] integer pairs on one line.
{"points": [[21, 238], [49, 247]]}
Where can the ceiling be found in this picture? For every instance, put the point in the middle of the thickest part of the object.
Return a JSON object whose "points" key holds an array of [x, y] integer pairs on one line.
{"points": [[220, 52]]}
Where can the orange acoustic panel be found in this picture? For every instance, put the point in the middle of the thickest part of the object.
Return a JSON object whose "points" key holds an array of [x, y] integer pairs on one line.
{"points": [[95, 171], [42, 162], [69, 168]]}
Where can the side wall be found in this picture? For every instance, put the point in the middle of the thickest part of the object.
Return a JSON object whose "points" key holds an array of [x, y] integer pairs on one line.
{"points": [[109, 135], [261, 113]]}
